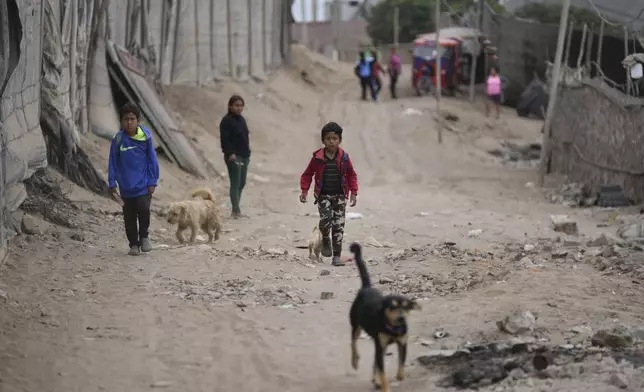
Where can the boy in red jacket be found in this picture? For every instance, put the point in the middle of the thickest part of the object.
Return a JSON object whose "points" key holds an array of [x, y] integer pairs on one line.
{"points": [[335, 181]]}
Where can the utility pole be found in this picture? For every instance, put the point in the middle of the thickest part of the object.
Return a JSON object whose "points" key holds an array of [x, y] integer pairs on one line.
{"points": [[545, 148], [475, 56], [396, 25], [335, 24], [439, 122], [304, 24], [315, 10]]}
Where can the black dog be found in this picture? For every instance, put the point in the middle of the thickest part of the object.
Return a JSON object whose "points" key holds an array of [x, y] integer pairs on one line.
{"points": [[384, 318]]}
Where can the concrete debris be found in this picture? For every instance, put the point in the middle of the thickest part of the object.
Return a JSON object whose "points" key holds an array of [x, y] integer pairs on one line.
{"points": [[632, 232], [440, 334], [475, 233], [527, 155], [616, 338], [518, 323], [529, 367], [564, 224], [326, 295], [30, 225], [573, 195], [619, 380], [602, 240], [412, 112]]}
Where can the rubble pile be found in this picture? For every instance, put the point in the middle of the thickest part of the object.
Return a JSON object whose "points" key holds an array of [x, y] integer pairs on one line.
{"points": [[572, 194], [614, 357], [522, 156], [432, 285], [446, 250], [239, 291]]}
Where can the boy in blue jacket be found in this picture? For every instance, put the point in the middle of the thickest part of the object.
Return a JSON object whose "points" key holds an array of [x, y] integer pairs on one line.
{"points": [[133, 166]]}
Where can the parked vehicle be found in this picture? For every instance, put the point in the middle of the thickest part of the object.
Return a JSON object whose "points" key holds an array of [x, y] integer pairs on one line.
{"points": [[458, 47]]}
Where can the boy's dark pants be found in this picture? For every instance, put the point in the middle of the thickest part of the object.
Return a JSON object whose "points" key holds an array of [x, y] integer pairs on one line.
{"points": [[237, 171], [136, 215], [367, 83], [332, 211]]}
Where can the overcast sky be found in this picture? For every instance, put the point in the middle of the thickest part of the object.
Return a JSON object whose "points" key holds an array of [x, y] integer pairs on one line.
{"points": [[308, 5]]}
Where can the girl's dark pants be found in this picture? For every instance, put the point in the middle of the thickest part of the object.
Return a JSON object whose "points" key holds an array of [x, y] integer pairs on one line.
{"points": [[237, 171], [136, 215], [392, 85], [377, 84]]}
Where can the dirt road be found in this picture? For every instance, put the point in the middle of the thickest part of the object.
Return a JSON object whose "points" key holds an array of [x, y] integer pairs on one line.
{"points": [[246, 314]]}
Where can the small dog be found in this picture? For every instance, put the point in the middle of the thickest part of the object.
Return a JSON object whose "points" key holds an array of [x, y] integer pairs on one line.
{"points": [[195, 214], [384, 318], [315, 244]]}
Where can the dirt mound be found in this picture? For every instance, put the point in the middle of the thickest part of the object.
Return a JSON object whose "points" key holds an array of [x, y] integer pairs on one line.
{"points": [[318, 70]]}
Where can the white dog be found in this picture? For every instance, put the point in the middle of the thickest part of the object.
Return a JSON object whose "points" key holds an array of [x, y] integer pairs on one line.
{"points": [[315, 245]]}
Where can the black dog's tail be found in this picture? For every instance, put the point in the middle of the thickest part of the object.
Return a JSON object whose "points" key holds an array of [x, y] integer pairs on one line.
{"points": [[356, 249]]}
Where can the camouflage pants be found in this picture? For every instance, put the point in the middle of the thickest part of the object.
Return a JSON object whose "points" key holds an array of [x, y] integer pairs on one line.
{"points": [[332, 210]]}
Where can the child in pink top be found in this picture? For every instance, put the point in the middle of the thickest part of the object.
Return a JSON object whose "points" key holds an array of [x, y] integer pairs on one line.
{"points": [[493, 92]]}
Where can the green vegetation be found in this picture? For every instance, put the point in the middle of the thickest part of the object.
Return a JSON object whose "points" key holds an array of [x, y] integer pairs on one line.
{"points": [[551, 13], [416, 17]]}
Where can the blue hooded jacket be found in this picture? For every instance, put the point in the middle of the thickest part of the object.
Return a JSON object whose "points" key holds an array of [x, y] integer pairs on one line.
{"points": [[133, 163], [363, 69]]}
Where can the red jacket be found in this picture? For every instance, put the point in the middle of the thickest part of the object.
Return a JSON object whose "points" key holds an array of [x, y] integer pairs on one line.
{"points": [[315, 170]]}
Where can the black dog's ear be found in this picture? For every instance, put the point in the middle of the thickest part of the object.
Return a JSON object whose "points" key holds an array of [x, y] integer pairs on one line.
{"points": [[413, 305]]}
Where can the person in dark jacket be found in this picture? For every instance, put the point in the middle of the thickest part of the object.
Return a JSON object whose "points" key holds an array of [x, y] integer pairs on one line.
{"points": [[235, 145], [134, 169], [364, 72]]}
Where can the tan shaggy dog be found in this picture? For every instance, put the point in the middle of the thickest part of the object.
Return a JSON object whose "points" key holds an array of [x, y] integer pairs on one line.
{"points": [[194, 214], [315, 244]]}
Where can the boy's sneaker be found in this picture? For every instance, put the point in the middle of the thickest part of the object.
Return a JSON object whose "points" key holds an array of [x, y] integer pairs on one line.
{"points": [[145, 245], [134, 251], [326, 247], [337, 261]]}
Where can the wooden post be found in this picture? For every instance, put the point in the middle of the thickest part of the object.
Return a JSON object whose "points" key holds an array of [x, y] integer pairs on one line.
{"points": [[439, 122], [305, 27], [229, 36], [479, 25], [545, 148], [628, 73], [581, 45], [571, 30], [600, 44], [396, 24], [589, 48]]}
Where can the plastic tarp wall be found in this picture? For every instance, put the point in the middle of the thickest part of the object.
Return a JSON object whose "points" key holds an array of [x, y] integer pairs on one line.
{"points": [[200, 41], [22, 146], [61, 77]]}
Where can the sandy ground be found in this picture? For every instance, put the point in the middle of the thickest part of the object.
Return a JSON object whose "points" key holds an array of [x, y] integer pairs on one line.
{"points": [[246, 314]]}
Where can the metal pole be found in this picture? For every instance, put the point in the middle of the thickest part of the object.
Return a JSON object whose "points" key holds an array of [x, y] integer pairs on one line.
{"points": [[439, 122], [545, 148], [315, 10], [396, 25], [303, 23]]}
